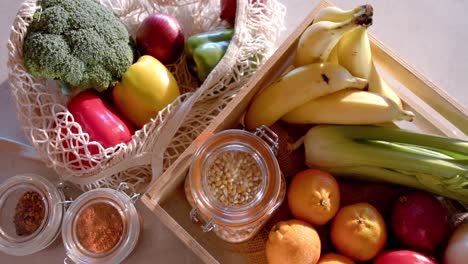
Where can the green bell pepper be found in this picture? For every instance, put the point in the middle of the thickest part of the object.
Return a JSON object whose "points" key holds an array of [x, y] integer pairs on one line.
{"points": [[205, 50], [207, 56]]}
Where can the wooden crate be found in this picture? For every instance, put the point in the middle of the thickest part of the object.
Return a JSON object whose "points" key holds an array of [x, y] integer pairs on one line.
{"points": [[166, 196]]}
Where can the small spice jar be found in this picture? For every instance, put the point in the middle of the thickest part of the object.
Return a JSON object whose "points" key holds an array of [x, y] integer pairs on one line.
{"points": [[235, 183], [101, 226], [31, 211]]}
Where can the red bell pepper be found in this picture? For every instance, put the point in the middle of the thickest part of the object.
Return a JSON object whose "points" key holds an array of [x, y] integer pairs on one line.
{"points": [[100, 121]]}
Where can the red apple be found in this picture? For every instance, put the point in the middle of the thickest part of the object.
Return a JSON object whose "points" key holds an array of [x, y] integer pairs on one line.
{"points": [[160, 35], [403, 257], [228, 10], [420, 222]]}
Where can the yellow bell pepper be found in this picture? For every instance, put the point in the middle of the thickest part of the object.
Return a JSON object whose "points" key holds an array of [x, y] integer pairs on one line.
{"points": [[145, 89]]}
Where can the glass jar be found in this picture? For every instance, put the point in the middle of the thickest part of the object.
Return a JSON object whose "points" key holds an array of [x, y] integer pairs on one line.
{"points": [[31, 211], [124, 208], [235, 184]]}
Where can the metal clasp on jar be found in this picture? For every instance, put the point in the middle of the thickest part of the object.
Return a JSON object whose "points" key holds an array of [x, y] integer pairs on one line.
{"points": [[69, 193], [195, 217], [124, 186], [270, 137]]}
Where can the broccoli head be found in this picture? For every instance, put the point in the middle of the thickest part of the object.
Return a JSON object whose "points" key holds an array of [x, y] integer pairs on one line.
{"points": [[79, 43]]}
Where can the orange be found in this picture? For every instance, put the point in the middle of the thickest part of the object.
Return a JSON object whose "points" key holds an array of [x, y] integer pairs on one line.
{"points": [[293, 242], [358, 231], [333, 258], [314, 196]]}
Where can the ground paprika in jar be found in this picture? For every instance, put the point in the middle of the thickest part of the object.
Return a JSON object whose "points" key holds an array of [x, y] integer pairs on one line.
{"points": [[99, 227]]}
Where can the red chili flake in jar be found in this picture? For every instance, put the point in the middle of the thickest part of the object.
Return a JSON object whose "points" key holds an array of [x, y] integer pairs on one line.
{"points": [[29, 213]]}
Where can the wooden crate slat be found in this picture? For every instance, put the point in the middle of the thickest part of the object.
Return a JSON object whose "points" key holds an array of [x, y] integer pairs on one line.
{"points": [[422, 87]]}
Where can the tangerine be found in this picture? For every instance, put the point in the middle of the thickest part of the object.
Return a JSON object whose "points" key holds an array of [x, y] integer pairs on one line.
{"points": [[358, 231], [293, 242], [314, 196]]}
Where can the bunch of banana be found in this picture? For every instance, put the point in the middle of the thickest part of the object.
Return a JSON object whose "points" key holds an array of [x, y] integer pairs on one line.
{"points": [[354, 53], [296, 88], [333, 64], [319, 39]]}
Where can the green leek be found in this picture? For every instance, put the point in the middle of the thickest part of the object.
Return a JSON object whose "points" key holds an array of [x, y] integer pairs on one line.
{"points": [[432, 163]]}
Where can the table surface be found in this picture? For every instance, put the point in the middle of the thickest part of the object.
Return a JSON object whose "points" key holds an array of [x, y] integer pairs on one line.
{"points": [[430, 35]]}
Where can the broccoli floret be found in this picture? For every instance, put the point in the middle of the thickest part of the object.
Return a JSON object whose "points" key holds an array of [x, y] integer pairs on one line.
{"points": [[78, 42]]}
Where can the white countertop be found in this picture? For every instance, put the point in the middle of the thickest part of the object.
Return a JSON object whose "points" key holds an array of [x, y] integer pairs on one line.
{"points": [[430, 35]]}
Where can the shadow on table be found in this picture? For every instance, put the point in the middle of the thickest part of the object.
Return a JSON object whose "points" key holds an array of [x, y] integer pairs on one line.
{"points": [[10, 127]]}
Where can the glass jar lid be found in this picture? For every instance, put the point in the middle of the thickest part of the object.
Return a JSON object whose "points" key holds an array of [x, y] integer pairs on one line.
{"points": [[101, 225], [235, 178], [31, 210]]}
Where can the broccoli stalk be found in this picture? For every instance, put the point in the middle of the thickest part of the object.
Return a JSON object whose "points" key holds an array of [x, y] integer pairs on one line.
{"points": [[79, 43]]}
